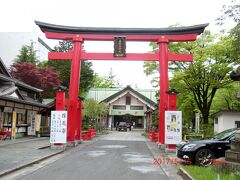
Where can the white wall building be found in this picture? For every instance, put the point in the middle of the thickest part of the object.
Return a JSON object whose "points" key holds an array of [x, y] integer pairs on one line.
{"points": [[11, 43], [225, 120], [130, 106]]}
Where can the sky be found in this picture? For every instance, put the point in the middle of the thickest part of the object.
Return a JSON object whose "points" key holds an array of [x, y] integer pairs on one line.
{"points": [[19, 16]]}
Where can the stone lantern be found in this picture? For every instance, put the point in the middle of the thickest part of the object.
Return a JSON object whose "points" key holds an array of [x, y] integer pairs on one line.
{"points": [[233, 154]]}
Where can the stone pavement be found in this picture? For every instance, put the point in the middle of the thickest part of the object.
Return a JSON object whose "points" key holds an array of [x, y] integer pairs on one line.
{"points": [[166, 160], [19, 153]]}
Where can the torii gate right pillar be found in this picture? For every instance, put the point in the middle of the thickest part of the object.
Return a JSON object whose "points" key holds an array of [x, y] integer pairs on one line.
{"points": [[163, 72]]}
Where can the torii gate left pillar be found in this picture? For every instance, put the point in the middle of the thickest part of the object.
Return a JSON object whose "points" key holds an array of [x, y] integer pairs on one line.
{"points": [[74, 129]]}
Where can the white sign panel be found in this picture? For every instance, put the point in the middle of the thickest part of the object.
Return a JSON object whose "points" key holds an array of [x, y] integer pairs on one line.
{"points": [[31, 119], [58, 127], [173, 127]]}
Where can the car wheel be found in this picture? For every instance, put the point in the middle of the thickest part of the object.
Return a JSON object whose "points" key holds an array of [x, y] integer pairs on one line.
{"points": [[204, 157]]}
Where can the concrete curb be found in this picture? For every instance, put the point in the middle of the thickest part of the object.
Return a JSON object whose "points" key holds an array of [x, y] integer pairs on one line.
{"points": [[181, 172], [5, 172], [44, 146], [185, 174], [170, 170]]}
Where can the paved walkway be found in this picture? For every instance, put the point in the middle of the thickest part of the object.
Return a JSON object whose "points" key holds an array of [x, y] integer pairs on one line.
{"points": [[18, 153], [27, 151], [166, 161], [124, 136]]}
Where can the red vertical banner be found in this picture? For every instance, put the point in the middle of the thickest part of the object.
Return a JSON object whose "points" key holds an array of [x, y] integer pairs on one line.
{"points": [[163, 71]]}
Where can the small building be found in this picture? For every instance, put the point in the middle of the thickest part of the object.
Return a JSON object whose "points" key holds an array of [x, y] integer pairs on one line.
{"points": [[226, 119], [20, 105], [127, 105]]}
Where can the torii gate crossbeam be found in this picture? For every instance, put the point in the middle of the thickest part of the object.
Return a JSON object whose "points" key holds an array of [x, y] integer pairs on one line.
{"points": [[78, 35]]}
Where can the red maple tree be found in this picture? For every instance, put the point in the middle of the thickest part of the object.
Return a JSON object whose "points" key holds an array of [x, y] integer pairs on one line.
{"points": [[43, 78]]}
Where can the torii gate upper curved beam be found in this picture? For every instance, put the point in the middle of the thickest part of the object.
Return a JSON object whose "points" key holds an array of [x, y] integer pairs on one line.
{"points": [[187, 33], [46, 27]]}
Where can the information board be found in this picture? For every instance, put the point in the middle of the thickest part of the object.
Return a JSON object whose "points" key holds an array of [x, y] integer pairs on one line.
{"points": [[173, 127], [58, 132]]}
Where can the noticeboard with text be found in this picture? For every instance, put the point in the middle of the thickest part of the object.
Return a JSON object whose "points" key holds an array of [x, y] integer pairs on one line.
{"points": [[173, 127], [58, 132]]}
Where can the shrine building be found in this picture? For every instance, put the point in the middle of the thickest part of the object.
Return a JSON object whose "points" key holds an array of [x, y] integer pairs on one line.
{"points": [[127, 104]]}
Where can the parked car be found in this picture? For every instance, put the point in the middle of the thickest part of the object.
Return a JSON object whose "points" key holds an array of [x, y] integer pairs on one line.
{"points": [[122, 126], [203, 152]]}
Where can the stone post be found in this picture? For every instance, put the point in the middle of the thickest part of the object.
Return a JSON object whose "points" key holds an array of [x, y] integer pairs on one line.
{"points": [[233, 154]]}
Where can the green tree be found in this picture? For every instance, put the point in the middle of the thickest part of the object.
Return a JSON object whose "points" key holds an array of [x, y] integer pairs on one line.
{"points": [[64, 67], [232, 11], [207, 73], [227, 98], [87, 76], [27, 54], [107, 81], [93, 112], [185, 103]]}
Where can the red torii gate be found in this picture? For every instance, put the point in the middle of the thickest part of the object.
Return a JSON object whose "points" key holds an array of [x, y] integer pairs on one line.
{"points": [[78, 35]]}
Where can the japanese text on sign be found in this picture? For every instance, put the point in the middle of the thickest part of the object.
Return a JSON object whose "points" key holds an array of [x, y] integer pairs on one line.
{"points": [[58, 127]]}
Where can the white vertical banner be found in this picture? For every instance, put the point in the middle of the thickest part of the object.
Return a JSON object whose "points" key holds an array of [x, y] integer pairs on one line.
{"points": [[173, 127], [58, 132], [197, 117], [32, 121]]}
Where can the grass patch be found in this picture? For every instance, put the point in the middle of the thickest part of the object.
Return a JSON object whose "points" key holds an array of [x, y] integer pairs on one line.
{"points": [[208, 173]]}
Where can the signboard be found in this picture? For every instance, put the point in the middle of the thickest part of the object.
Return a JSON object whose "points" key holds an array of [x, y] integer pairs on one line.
{"points": [[31, 121], [197, 117], [119, 46], [58, 132], [124, 112], [38, 122], [173, 127]]}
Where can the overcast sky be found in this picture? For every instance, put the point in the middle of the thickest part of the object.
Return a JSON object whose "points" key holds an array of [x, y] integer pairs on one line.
{"points": [[19, 16]]}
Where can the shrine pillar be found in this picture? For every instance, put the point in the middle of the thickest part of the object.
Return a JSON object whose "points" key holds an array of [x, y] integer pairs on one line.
{"points": [[163, 72], [73, 92], [79, 121], [60, 100]]}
